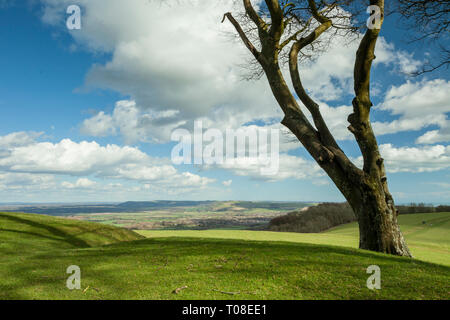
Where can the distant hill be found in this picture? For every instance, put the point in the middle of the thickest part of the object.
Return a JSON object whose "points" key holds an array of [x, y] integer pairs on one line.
{"points": [[140, 206]]}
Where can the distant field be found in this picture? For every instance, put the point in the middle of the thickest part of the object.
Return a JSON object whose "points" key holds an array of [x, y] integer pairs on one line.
{"points": [[213, 215], [35, 251], [163, 215], [428, 242]]}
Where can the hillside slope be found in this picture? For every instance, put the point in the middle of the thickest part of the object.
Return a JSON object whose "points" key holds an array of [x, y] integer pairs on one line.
{"points": [[427, 234], [429, 241], [210, 268], [20, 232]]}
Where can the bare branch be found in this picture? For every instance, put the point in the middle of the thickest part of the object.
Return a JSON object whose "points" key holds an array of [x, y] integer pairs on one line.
{"points": [[360, 118], [259, 22], [430, 22], [243, 36]]}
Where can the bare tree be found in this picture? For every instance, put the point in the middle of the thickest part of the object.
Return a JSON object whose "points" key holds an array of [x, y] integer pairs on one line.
{"points": [[297, 26], [430, 21]]}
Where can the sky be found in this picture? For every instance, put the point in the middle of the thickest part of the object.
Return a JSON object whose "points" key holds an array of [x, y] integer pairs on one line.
{"points": [[88, 115]]}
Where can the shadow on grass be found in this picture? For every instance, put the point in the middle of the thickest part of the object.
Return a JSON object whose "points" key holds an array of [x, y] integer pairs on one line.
{"points": [[59, 234], [189, 242], [152, 268]]}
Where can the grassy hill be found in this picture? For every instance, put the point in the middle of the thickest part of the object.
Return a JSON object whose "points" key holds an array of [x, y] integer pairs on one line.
{"points": [[429, 242], [427, 234], [116, 264], [26, 233]]}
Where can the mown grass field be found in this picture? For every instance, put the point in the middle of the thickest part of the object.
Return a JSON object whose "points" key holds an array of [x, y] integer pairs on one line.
{"points": [[35, 252]]}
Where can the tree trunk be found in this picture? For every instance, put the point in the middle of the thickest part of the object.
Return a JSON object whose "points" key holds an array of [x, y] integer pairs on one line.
{"points": [[377, 218]]}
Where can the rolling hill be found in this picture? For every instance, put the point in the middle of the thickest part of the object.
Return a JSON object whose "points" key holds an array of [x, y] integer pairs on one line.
{"points": [[118, 264], [429, 241]]}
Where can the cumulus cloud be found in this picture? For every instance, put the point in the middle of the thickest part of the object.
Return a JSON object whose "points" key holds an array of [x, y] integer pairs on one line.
{"points": [[39, 160], [17, 139], [415, 108], [418, 98], [424, 159], [330, 76], [414, 159], [132, 123], [169, 56], [101, 125], [227, 183], [401, 61], [435, 136], [69, 157], [178, 63], [13, 181], [166, 175], [252, 151], [419, 105], [82, 183], [290, 167], [336, 119]]}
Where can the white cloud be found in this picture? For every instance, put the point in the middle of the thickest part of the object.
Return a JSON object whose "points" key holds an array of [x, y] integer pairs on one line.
{"points": [[132, 123], [406, 123], [435, 136], [290, 167], [418, 98], [101, 125], [171, 56], [336, 119], [387, 54], [165, 174], [407, 64], [418, 105], [177, 62], [17, 139], [82, 183], [415, 159], [13, 181], [69, 158], [227, 183]]}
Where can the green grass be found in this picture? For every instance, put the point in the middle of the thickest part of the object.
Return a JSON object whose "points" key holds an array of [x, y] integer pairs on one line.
{"points": [[28, 233], [429, 242], [36, 250]]}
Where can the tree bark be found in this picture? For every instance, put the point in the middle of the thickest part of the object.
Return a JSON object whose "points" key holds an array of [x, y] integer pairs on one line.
{"points": [[377, 218]]}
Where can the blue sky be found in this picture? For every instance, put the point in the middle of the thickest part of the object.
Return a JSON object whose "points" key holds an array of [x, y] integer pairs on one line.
{"points": [[87, 114]]}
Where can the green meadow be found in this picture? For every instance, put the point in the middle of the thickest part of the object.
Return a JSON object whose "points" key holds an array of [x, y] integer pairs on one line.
{"points": [[35, 251], [429, 241]]}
